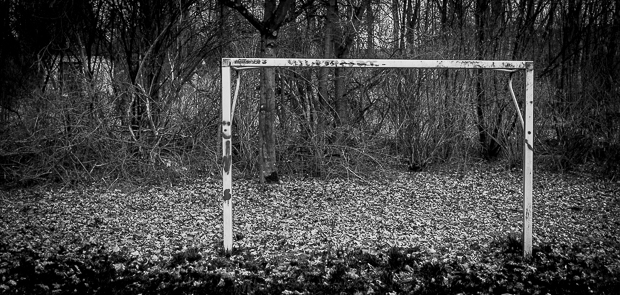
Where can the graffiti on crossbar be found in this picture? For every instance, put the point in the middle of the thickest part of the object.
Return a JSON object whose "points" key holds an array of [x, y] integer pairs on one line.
{"points": [[249, 61]]}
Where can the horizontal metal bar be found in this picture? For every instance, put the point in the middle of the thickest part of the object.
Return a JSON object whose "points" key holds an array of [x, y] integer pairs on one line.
{"points": [[245, 68], [373, 63]]}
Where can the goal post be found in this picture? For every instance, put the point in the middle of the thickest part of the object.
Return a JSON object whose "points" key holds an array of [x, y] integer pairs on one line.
{"points": [[229, 64]]}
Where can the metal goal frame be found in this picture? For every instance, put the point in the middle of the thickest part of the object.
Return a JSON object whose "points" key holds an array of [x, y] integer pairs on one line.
{"points": [[527, 119]]}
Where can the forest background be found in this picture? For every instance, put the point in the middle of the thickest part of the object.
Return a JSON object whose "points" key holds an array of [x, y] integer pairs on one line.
{"points": [[109, 90]]}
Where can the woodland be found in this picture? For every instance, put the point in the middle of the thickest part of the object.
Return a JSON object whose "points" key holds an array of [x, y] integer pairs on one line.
{"points": [[345, 180]]}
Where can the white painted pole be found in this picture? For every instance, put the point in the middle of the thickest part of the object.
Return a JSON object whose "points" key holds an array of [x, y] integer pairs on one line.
{"points": [[226, 159], [528, 159]]}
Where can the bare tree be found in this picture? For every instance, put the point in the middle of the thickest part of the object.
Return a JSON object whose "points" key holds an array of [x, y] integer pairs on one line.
{"points": [[274, 16]]}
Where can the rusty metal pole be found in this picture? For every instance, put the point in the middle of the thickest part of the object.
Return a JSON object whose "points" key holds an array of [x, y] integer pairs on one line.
{"points": [[226, 158], [528, 159]]}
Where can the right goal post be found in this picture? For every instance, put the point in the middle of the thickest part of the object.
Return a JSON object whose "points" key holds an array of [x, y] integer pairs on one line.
{"points": [[239, 64]]}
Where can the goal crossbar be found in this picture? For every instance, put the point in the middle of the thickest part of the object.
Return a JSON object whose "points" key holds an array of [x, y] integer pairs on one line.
{"points": [[250, 63], [241, 63]]}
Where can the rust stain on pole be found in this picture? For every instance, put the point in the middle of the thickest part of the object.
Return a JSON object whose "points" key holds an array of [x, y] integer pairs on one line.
{"points": [[361, 63], [529, 65], [227, 158], [332, 63], [528, 213], [529, 146], [226, 129]]}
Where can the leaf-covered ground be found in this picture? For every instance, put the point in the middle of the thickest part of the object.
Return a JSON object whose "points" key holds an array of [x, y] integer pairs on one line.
{"points": [[426, 232]]}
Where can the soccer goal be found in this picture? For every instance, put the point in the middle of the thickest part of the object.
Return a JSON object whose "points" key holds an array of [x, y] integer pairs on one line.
{"points": [[527, 119]]}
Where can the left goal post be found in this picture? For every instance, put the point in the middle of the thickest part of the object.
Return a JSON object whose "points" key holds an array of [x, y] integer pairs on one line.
{"points": [[251, 63]]}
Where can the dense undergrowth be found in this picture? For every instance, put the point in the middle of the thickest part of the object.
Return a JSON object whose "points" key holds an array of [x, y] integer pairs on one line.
{"points": [[95, 270]]}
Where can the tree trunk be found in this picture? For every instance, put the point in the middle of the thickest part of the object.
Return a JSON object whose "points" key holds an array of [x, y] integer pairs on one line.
{"points": [[328, 50], [267, 112], [488, 143], [343, 41], [370, 27], [341, 103], [412, 20], [274, 16], [396, 28]]}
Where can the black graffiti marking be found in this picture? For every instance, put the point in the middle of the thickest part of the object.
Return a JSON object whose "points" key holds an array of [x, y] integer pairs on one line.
{"points": [[227, 196], [248, 61]]}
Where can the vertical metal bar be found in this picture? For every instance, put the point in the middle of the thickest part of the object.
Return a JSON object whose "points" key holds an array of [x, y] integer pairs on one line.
{"points": [[226, 159], [528, 159]]}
